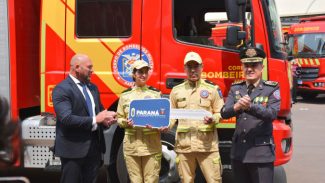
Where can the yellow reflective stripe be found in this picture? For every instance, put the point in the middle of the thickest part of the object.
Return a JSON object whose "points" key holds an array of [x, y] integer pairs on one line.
{"points": [[130, 130], [183, 129], [129, 133], [301, 61], [206, 128], [216, 160], [317, 61], [150, 133], [306, 61], [226, 125], [158, 156], [177, 160], [147, 130], [311, 61]]}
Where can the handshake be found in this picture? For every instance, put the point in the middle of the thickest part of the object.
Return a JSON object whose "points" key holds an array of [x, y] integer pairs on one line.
{"points": [[106, 118]]}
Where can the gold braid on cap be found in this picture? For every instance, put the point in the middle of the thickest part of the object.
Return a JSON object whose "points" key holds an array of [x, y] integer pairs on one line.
{"points": [[251, 60]]}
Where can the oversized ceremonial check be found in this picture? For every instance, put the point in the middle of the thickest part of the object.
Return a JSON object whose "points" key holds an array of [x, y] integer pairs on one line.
{"points": [[157, 112]]}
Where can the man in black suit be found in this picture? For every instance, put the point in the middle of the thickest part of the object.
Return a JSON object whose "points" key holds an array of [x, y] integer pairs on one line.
{"points": [[255, 103], [81, 118]]}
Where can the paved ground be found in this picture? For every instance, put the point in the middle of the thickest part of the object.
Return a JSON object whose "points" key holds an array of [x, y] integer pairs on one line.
{"points": [[308, 160]]}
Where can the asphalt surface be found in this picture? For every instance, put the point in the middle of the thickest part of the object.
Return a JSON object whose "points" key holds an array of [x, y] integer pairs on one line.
{"points": [[308, 160], [307, 163]]}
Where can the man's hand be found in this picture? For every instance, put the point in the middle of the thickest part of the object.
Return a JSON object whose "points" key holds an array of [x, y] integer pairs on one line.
{"points": [[243, 103], [130, 123], [106, 118], [163, 129], [208, 120]]}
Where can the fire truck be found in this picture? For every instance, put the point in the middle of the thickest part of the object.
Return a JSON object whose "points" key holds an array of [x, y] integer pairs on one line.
{"points": [[307, 46], [42, 36]]}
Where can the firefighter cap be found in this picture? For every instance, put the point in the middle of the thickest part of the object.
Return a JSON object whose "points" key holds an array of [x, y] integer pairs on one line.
{"points": [[251, 55], [192, 56], [138, 64]]}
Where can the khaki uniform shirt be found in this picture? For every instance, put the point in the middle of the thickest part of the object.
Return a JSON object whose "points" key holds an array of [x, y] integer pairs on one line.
{"points": [[194, 135], [137, 141]]}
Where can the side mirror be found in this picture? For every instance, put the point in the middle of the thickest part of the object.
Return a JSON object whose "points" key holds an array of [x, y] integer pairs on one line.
{"points": [[235, 35], [234, 10]]}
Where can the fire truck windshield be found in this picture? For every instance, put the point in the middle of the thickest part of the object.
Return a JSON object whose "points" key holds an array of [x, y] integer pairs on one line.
{"points": [[307, 45], [275, 24]]}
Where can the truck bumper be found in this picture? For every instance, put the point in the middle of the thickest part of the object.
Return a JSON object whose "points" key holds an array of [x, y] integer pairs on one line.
{"points": [[283, 142]]}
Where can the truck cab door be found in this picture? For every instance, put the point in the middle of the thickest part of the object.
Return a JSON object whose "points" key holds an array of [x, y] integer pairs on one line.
{"points": [[109, 33]]}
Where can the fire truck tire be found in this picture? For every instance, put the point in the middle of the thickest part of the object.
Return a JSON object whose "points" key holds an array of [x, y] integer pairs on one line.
{"points": [[279, 175], [308, 96]]}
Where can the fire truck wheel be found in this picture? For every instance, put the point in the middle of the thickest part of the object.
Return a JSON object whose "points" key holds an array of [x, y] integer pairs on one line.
{"points": [[279, 175], [308, 96]]}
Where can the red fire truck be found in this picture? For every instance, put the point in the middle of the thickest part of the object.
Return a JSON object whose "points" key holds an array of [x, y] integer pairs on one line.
{"points": [[307, 46], [44, 35]]}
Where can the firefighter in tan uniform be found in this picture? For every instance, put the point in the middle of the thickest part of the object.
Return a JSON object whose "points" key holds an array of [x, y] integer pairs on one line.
{"points": [[197, 140], [141, 146]]}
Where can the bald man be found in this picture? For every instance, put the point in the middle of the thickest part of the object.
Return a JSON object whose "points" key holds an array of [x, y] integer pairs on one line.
{"points": [[81, 118]]}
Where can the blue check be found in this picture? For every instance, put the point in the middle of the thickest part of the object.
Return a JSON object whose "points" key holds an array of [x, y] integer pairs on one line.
{"points": [[154, 112]]}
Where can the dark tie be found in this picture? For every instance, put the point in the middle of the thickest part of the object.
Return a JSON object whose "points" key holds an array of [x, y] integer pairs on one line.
{"points": [[250, 89], [87, 97]]}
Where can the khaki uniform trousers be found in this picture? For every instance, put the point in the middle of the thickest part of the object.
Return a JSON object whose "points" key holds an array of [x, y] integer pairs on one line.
{"points": [[143, 169], [209, 163]]}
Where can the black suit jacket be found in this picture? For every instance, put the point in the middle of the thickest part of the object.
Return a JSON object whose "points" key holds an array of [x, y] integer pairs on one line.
{"points": [[252, 139], [73, 125]]}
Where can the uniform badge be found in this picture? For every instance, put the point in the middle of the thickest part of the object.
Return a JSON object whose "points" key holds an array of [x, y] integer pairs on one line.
{"points": [[276, 94], [237, 95], [204, 93], [251, 52]]}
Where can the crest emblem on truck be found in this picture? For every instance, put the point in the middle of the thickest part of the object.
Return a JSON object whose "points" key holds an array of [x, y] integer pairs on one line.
{"points": [[124, 58]]}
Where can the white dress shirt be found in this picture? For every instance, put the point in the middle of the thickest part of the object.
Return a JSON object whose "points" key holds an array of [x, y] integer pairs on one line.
{"points": [[91, 98]]}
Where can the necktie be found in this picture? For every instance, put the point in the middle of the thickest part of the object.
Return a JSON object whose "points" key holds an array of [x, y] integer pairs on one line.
{"points": [[87, 97], [250, 89]]}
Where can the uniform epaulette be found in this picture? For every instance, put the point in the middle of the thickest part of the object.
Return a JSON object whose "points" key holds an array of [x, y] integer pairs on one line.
{"points": [[129, 89], [271, 83], [153, 88], [209, 82], [239, 82]]}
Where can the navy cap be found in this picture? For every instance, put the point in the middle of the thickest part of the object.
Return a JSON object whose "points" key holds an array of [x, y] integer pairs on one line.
{"points": [[251, 55]]}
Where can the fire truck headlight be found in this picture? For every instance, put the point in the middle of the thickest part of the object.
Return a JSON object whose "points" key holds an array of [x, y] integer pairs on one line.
{"points": [[285, 145]]}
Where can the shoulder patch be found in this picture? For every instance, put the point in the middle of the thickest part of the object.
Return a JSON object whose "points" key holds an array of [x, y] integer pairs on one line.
{"points": [[209, 82], [153, 88], [129, 89], [271, 83], [239, 82]]}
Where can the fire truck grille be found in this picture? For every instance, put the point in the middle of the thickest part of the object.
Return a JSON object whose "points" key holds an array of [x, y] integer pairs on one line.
{"points": [[38, 138], [308, 73]]}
